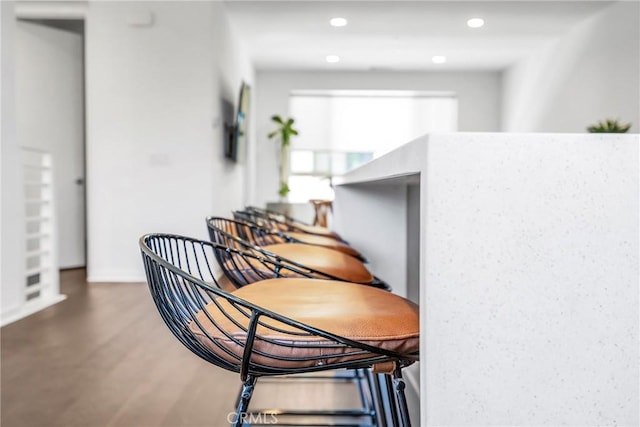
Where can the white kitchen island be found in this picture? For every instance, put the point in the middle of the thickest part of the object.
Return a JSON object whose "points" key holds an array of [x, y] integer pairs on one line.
{"points": [[522, 251]]}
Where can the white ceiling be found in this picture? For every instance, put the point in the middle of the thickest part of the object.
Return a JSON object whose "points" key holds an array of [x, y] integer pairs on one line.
{"points": [[400, 35]]}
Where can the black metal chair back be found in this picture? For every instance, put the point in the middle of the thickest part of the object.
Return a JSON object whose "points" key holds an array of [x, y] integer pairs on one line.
{"points": [[272, 232], [236, 334], [281, 222], [242, 270], [277, 216], [182, 277], [245, 236], [265, 221], [248, 231]]}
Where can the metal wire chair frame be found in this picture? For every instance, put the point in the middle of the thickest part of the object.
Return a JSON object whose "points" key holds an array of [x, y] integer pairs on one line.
{"points": [[240, 234], [256, 234], [182, 281], [276, 220], [227, 231], [274, 214], [272, 234]]}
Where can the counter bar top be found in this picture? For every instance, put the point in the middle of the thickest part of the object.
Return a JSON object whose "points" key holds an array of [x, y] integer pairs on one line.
{"points": [[522, 251]]}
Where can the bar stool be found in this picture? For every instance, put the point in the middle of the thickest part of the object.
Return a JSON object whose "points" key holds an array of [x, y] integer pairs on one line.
{"points": [[319, 262], [321, 209], [262, 234], [278, 326], [240, 272], [286, 223]]}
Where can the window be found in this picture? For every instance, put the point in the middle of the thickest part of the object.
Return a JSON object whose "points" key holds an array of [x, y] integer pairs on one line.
{"points": [[340, 130]]}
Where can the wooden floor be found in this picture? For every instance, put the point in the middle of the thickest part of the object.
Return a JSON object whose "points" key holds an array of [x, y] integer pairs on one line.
{"points": [[103, 357]]}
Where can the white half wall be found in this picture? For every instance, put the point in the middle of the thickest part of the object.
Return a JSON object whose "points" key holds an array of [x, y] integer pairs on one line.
{"points": [[590, 74], [156, 76], [478, 105]]}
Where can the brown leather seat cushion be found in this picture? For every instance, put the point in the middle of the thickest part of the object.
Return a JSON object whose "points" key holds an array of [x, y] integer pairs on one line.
{"points": [[338, 264], [326, 242], [315, 229], [360, 313]]}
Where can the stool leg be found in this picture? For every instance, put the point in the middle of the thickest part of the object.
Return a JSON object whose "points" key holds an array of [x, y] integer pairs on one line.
{"points": [[376, 395], [243, 403], [387, 382], [399, 385], [367, 402]]}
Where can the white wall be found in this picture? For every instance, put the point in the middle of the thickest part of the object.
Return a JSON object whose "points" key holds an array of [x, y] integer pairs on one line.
{"points": [[12, 201], [154, 127], [590, 74], [478, 105]]}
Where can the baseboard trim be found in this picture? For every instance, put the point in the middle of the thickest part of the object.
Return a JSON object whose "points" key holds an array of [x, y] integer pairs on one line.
{"points": [[29, 309]]}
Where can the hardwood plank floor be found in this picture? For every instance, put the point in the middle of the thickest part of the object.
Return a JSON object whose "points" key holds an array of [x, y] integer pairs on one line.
{"points": [[103, 357]]}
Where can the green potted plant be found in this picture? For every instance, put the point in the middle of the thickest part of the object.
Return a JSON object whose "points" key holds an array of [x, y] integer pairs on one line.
{"points": [[609, 126], [283, 132]]}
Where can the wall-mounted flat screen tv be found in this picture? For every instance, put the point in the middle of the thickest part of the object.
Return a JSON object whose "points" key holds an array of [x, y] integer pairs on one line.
{"points": [[236, 138]]}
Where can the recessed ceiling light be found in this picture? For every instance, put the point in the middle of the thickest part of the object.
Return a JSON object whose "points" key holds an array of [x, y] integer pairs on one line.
{"points": [[438, 59], [332, 58], [475, 22], [338, 22]]}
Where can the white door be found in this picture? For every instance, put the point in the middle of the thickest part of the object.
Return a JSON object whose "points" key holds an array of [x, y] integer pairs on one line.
{"points": [[50, 115]]}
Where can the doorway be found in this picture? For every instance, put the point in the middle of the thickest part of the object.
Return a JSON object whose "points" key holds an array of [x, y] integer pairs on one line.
{"points": [[50, 110]]}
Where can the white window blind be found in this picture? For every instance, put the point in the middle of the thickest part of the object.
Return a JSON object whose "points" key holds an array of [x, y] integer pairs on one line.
{"points": [[341, 129], [369, 121]]}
